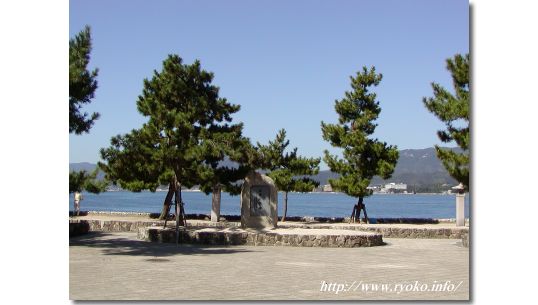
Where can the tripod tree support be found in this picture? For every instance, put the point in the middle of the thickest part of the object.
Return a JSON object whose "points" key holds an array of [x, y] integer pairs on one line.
{"points": [[356, 214]]}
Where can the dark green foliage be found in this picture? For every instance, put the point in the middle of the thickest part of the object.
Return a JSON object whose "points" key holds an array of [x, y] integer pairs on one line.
{"points": [[187, 134], [82, 86], [364, 157], [231, 145], [453, 110], [285, 166], [133, 164], [82, 83], [83, 181], [287, 169]]}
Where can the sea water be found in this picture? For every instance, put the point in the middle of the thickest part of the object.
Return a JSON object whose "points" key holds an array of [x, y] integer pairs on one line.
{"points": [[299, 204]]}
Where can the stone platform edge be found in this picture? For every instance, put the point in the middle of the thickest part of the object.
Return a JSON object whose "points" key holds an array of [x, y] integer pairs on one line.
{"points": [[388, 232], [261, 238], [393, 231]]}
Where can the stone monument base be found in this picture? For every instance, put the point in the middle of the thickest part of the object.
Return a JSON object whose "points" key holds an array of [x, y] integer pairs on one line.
{"points": [[295, 237]]}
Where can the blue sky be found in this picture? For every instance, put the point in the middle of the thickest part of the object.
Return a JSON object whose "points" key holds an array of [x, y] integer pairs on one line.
{"points": [[284, 62]]}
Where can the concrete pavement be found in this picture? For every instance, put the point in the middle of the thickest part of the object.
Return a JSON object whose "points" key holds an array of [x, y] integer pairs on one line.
{"points": [[117, 266]]}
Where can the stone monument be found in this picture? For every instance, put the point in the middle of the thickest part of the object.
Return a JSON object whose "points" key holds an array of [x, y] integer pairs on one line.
{"points": [[259, 202]]}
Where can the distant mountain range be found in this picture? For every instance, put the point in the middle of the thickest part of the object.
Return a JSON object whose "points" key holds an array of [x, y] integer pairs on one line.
{"points": [[82, 166], [416, 167]]}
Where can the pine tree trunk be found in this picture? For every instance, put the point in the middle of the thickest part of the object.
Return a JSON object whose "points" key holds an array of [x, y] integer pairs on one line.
{"points": [[285, 206], [215, 204], [167, 201], [183, 220], [178, 202], [177, 198]]}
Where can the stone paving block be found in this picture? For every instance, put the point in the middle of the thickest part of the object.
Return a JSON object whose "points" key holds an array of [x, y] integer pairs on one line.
{"points": [[118, 266]]}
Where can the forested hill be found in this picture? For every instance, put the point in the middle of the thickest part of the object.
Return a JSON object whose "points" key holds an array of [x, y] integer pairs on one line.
{"points": [[415, 167], [418, 167]]}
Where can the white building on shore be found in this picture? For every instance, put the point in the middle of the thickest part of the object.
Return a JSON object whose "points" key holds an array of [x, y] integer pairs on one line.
{"points": [[395, 188]]}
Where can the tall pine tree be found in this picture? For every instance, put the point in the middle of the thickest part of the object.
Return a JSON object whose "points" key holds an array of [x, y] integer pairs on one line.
{"points": [[82, 82], [453, 110], [287, 169], [82, 86], [363, 156], [187, 126]]}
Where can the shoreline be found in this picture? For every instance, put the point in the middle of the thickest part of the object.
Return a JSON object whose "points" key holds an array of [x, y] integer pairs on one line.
{"points": [[280, 192], [234, 218]]}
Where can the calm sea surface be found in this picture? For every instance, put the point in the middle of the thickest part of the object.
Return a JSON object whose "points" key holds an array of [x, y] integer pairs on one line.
{"points": [[309, 204]]}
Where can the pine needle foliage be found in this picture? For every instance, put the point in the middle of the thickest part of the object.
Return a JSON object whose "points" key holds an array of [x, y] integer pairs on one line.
{"points": [[363, 156], [288, 170], [82, 82], [453, 110], [188, 132]]}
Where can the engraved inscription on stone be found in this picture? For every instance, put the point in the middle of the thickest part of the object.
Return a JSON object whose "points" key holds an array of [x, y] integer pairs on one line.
{"points": [[259, 201]]}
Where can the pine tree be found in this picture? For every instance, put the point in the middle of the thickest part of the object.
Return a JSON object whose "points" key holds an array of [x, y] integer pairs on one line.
{"points": [[82, 82], [82, 86], [186, 130], [453, 110], [363, 157], [287, 169]]}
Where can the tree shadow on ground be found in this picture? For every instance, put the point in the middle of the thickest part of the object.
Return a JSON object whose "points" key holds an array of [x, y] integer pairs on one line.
{"points": [[114, 244]]}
